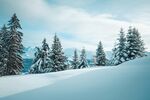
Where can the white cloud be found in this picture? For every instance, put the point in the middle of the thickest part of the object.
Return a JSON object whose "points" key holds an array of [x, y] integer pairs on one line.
{"points": [[88, 28]]}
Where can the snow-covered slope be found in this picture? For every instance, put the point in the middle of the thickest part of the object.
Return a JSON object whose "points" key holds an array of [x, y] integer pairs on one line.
{"points": [[129, 81], [10, 85]]}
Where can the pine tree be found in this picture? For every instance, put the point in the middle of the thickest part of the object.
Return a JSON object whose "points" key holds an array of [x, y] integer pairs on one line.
{"points": [[100, 55], [14, 47], [119, 52], [75, 62], [3, 33], [135, 46], [42, 63], [3, 51], [83, 60], [140, 43], [57, 56]]}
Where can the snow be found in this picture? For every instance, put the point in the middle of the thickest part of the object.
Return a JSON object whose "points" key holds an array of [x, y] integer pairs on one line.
{"points": [[10, 85], [128, 81]]}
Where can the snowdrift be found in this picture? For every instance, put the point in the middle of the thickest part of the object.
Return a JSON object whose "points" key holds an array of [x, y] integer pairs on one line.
{"points": [[128, 81]]}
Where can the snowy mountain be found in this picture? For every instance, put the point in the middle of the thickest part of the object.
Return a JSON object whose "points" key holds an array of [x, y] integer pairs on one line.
{"points": [[29, 53], [128, 81]]}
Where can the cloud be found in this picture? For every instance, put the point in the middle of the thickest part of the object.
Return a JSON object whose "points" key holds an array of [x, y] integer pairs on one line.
{"points": [[41, 19]]}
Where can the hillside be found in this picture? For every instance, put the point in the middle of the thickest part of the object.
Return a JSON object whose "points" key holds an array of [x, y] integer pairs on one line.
{"points": [[128, 81]]}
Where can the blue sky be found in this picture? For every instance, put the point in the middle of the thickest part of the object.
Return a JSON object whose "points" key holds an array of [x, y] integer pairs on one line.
{"points": [[79, 23]]}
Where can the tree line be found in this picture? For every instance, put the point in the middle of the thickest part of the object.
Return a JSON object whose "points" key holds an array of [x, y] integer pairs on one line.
{"points": [[52, 59], [128, 47]]}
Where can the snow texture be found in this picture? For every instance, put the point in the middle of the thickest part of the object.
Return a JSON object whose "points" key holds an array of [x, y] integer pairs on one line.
{"points": [[127, 81], [10, 85]]}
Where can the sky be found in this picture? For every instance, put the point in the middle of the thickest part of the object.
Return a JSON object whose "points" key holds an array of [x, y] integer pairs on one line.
{"points": [[78, 23]]}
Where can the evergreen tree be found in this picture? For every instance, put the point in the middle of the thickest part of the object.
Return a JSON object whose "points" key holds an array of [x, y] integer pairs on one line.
{"points": [[14, 47], [135, 46], [11, 48], [3, 51], [57, 56], [140, 43], [42, 63], [100, 55], [119, 52], [75, 62], [3, 32], [83, 60]]}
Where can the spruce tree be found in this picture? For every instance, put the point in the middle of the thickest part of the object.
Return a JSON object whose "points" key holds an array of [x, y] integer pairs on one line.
{"points": [[119, 52], [42, 63], [3, 51], [75, 62], [3, 33], [135, 46], [14, 47], [140, 43], [100, 55], [83, 60], [57, 56]]}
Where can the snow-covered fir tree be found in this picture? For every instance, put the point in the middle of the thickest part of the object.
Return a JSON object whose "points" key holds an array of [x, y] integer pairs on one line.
{"points": [[14, 47], [57, 56], [100, 55], [3, 33], [119, 52], [135, 46], [3, 51], [42, 63], [141, 50], [83, 60], [75, 62]]}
